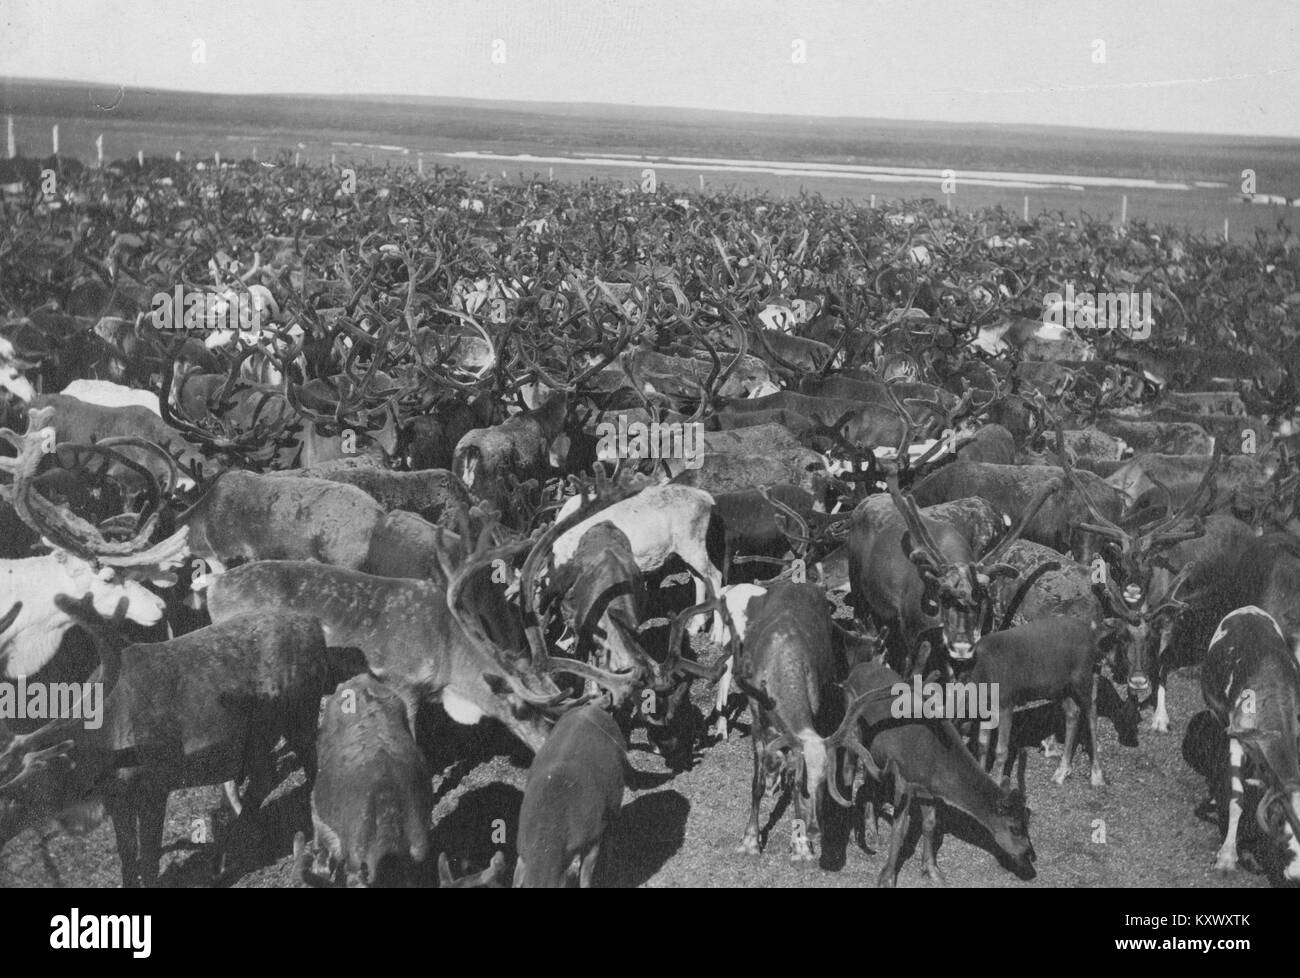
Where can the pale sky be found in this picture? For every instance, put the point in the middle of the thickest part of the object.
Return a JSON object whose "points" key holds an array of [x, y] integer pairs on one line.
{"points": [[1222, 66]]}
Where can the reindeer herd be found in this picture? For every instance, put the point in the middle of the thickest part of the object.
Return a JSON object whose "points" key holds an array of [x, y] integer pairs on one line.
{"points": [[320, 544]]}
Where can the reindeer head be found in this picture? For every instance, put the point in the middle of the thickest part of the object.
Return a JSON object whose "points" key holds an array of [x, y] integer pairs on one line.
{"points": [[957, 591], [85, 564], [1010, 829], [522, 692]]}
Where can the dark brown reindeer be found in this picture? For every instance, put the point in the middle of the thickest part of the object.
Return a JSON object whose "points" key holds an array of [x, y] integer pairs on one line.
{"points": [[917, 575], [373, 795], [205, 708], [1140, 584], [460, 645], [925, 761], [794, 656], [573, 796]]}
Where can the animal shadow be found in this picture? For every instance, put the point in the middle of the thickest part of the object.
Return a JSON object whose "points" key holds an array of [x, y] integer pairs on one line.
{"points": [[649, 831], [484, 822]]}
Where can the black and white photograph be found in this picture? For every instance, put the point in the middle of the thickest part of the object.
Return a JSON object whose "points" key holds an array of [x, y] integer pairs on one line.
{"points": [[748, 444]]}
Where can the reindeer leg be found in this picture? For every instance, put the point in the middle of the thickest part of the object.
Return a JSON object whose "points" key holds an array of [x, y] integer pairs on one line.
{"points": [[697, 624], [817, 762], [1226, 859], [588, 869], [1160, 719], [929, 847], [805, 844], [122, 810], [847, 773], [750, 844], [261, 781], [1071, 732], [985, 737], [1098, 780], [801, 848], [231, 791], [151, 815], [720, 702], [1006, 724], [902, 812]]}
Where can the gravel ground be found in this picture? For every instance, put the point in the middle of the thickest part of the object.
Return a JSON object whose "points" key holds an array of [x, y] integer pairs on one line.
{"points": [[681, 830]]}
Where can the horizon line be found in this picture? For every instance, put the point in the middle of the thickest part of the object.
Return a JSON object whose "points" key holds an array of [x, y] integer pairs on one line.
{"points": [[392, 97]]}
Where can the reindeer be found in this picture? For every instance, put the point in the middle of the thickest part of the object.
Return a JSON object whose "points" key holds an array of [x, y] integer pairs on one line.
{"points": [[658, 521], [372, 798], [573, 795], [794, 656], [1054, 659], [1139, 567], [1251, 680], [459, 644], [83, 564], [205, 708], [918, 575], [926, 761]]}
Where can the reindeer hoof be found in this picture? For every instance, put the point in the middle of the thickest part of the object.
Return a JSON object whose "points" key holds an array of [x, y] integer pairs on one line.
{"points": [[886, 880], [1225, 862], [748, 846], [720, 730], [934, 874], [1051, 748], [801, 851], [1060, 775], [1160, 724], [1098, 779]]}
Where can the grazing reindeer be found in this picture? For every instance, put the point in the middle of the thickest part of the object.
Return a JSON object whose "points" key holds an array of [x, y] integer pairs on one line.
{"points": [[574, 793], [460, 645], [1251, 681], [790, 669], [204, 708], [659, 521], [927, 762], [1052, 659], [371, 802], [603, 598]]}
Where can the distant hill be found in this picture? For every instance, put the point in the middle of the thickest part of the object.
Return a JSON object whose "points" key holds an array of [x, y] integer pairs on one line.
{"points": [[438, 124]]}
